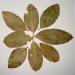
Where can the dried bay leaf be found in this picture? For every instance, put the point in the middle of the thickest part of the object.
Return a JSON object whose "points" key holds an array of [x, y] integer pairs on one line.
{"points": [[54, 36], [49, 52], [17, 57], [49, 16], [16, 39], [13, 21], [31, 19], [35, 57]]}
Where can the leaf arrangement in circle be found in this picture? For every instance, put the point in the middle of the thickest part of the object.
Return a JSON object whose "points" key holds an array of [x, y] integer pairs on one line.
{"points": [[49, 37]]}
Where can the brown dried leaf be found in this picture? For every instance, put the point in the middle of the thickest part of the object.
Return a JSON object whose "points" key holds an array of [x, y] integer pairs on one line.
{"points": [[49, 52], [49, 16], [54, 36], [32, 18], [16, 39], [13, 21], [35, 57], [17, 57]]}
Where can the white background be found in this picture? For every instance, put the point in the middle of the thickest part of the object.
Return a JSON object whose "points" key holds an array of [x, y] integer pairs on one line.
{"points": [[66, 65]]}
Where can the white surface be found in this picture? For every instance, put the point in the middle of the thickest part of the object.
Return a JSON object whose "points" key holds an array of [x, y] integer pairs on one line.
{"points": [[66, 65]]}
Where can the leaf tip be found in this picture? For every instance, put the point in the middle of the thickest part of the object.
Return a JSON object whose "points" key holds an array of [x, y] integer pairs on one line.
{"points": [[70, 38], [30, 6], [4, 13], [56, 59], [9, 66], [57, 4], [36, 69]]}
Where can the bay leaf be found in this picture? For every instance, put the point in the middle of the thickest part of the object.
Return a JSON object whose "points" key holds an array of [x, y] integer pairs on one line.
{"points": [[49, 16], [54, 36], [16, 39], [13, 21], [31, 19], [35, 57], [17, 57], [49, 52]]}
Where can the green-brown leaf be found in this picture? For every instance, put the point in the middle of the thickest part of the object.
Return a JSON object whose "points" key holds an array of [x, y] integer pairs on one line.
{"points": [[49, 52], [35, 57], [13, 21], [17, 57], [32, 18], [54, 36], [49, 16], [16, 39]]}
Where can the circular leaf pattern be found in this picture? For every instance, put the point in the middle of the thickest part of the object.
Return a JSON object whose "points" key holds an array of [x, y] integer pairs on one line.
{"points": [[19, 37]]}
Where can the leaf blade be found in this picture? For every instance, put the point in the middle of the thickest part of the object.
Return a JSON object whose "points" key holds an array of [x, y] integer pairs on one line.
{"points": [[54, 36], [49, 52], [49, 16], [32, 18], [17, 57], [35, 57], [16, 39], [13, 21]]}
